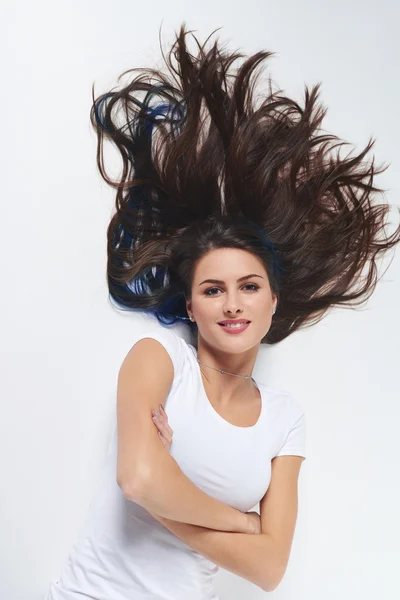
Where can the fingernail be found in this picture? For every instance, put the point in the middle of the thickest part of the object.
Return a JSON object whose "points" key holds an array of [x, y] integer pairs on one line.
{"points": [[155, 413]]}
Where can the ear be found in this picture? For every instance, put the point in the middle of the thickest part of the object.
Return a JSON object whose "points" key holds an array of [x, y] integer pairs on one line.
{"points": [[274, 300], [188, 306]]}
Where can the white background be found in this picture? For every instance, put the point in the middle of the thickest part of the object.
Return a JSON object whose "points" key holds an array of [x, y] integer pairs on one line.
{"points": [[62, 343]]}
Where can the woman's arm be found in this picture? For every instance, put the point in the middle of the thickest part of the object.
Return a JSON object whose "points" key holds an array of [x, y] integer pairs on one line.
{"points": [[248, 555], [261, 558], [251, 556], [174, 496], [146, 473]]}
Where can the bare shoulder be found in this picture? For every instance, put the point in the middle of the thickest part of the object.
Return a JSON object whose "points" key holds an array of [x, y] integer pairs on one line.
{"points": [[147, 352], [144, 380]]}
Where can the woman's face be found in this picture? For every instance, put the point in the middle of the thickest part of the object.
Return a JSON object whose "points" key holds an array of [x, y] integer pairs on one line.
{"points": [[250, 299]]}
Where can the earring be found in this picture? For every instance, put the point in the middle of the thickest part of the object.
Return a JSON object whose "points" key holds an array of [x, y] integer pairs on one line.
{"points": [[191, 318]]}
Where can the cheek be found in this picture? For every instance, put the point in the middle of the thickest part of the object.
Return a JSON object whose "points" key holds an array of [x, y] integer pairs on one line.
{"points": [[209, 309]]}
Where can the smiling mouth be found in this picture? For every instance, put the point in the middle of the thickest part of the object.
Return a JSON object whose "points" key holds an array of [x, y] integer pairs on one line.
{"points": [[234, 325]]}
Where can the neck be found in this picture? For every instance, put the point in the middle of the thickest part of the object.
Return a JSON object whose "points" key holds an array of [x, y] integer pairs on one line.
{"points": [[225, 388]]}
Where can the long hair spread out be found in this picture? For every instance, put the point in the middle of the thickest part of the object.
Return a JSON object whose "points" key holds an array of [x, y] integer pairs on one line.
{"points": [[205, 166]]}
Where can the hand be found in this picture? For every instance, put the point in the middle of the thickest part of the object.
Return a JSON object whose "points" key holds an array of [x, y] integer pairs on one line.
{"points": [[164, 430], [165, 434], [254, 522]]}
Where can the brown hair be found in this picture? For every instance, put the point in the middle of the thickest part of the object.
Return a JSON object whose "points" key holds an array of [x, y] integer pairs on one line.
{"points": [[205, 167]]}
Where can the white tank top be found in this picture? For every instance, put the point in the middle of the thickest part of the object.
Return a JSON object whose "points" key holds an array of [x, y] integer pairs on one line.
{"points": [[122, 552]]}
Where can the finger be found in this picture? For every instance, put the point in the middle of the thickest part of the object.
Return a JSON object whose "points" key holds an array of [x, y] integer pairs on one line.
{"points": [[163, 415], [162, 429], [164, 443], [163, 440], [167, 436], [157, 423], [164, 421], [159, 430], [162, 426]]}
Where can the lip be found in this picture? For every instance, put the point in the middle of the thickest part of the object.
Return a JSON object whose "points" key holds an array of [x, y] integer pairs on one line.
{"points": [[235, 329], [234, 321]]}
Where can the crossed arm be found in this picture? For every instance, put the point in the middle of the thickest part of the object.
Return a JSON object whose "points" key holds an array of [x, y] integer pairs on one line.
{"points": [[260, 558], [250, 556]]}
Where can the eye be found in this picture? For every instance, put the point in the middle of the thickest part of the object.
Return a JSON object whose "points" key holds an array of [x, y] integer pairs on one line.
{"points": [[253, 285]]}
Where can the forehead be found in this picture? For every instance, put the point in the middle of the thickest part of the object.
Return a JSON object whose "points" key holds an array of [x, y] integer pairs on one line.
{"points": [[225, 263]]}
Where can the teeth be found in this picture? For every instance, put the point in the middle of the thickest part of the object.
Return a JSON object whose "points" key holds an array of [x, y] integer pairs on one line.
{"points": [[233, 325]]}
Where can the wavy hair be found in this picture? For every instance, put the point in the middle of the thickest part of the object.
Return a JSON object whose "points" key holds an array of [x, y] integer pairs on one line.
{"points": [[205, 166]]}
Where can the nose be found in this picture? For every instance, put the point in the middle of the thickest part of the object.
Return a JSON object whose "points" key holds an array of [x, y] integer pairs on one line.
{"points": [[232, 306]]}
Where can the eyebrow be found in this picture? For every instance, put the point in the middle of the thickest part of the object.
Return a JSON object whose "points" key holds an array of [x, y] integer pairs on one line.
{"points": [[238, 280]]}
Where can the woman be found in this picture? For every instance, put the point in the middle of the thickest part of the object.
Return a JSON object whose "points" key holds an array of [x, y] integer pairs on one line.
{"points": [[241, 220]]}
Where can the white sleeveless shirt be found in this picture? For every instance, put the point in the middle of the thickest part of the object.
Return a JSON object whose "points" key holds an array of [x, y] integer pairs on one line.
{"points": [[122, 552]]}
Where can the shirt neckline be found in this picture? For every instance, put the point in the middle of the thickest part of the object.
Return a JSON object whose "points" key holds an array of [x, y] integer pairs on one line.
{"points": [[212, 410]]}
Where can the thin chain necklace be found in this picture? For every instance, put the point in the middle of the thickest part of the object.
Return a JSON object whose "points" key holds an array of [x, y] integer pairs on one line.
{"points": [[222, 371]]}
